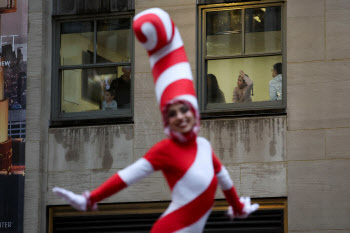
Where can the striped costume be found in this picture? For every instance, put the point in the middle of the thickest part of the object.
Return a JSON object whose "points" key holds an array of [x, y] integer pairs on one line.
{"points": [[191, 170], [188, 162]]}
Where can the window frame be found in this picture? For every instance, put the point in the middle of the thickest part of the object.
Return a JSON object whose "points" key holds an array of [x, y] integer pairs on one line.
{"points": [[59, 118], [247, 108]]}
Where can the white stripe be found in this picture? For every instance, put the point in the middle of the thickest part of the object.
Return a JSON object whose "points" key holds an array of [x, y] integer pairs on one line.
{"points": [[189, 98], [133, 173], [224, 179], [173, 45], [197, 226], [151, 34], [173, 73], [164, 17], [196, 180]]}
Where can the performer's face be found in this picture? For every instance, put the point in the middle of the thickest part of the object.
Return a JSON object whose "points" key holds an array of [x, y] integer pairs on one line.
{"points": [[181, 118]]}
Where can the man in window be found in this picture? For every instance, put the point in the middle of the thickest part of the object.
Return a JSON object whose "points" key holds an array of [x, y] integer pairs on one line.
{"points": [[275, 85], [121, 87]]}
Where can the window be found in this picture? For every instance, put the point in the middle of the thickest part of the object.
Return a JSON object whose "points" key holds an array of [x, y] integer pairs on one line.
{"points": [[93, 65], [241, 58]]}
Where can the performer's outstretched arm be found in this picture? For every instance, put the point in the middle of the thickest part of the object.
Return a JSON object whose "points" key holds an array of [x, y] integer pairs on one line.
{"points": [[240, 207], [129, 175]]}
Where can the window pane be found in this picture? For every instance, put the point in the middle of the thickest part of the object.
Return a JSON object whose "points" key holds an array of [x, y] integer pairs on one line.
{"points": [[263, 30], [77, 43], [223, 32], [113, 40], [227, 71], [86, 89]]}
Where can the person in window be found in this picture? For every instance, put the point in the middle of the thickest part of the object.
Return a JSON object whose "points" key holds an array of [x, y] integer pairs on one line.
{"points": [[109, 103], [122, 88], [243, 91], [215, 95], [275, 85]]}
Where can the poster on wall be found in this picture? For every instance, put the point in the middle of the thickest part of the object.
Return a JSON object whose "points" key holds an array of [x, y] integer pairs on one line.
{"points": [[13, 90]]}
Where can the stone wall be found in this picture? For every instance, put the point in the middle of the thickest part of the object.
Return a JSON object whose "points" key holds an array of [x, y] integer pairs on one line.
{"points": [[318, 115]]}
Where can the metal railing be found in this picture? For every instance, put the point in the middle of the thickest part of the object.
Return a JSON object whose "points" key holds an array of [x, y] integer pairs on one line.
{"points": [[17, 129]]}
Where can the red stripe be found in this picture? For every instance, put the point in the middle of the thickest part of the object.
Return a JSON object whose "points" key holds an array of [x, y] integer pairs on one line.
{"points": [[233, 199], [174, 57], [189, 213], [177, 88], [159, 26], [108, 188]]}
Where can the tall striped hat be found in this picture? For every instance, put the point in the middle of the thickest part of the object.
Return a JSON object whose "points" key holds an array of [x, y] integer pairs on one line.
{"points": [[170, 67]]}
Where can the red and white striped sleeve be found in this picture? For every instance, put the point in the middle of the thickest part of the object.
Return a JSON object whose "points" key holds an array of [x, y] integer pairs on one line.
{"points": [[226, 184], [125, 177]]}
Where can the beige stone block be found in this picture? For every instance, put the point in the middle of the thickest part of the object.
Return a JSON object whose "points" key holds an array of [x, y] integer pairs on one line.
{"points": [[300, 8], [306, 144], [100, 176], [247, 140], [34, 194], [318, 105], [235, 174], [31, 205], [305, 39], [188, 33], [318, 194], [337, 29], [146, 106], [75, 181], [337, 9], [33, 118], [142, 64], [338, 145], [35, 6], [147, 110], [102, 147], [32, 155], [32, 184], [264, 180], [337, 38], [299, 74], [35, 44], [151, 188], [144, 87], [162, 4], [147, 134]]}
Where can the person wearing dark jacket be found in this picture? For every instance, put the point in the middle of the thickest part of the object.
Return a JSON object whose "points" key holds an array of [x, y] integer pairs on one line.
{"points": [[122, 88]]}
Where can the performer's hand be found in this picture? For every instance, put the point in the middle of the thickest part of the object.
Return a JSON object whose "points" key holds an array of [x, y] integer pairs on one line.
{"points": [[247, 209], [79, 202]]}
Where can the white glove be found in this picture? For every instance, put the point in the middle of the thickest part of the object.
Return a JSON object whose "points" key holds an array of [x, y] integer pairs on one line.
{"points": [[79, 202], [247, 209]]}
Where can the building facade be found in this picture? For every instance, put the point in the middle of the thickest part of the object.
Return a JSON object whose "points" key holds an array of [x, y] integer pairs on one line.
{"points": [[291, 153]]}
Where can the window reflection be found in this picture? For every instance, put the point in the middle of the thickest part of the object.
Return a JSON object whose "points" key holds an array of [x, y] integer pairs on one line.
{"points": [[76, 38], [263, 30], [95, 89], [113, 40], [223, 31]]}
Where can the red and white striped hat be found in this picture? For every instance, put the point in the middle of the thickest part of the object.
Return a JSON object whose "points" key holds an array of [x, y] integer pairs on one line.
{"points": [[170, 67]]}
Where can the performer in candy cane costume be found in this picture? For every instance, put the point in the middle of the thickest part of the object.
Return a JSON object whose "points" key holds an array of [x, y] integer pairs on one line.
{"points": [[188, 162]]}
